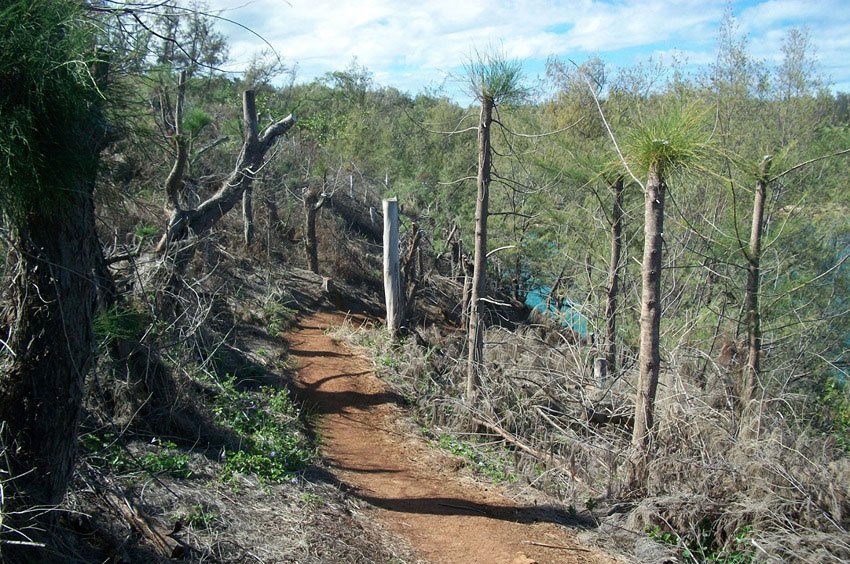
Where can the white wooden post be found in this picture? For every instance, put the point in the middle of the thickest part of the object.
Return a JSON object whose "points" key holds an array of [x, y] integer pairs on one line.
{"points": [[392, 275], [600, 371]]}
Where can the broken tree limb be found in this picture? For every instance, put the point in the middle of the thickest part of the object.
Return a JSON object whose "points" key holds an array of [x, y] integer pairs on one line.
{"points": [[251, 160], [155, 534], [174, 181], [538, 454]]}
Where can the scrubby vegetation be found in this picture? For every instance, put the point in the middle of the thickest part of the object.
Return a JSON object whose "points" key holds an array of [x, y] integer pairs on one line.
{"points": [[188, 430]]}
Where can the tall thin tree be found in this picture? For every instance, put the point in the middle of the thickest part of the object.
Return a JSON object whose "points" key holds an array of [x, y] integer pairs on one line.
{"points": [[614, 275], [751, 371], [492, 80], [661, 145]]}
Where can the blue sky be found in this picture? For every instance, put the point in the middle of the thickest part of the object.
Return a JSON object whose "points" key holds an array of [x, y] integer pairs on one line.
{"points": [[418, 44]]}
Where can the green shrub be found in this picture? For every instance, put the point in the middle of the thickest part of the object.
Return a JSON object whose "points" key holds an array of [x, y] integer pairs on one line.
{"points": [[168, 460], [107, 451], [486, 461], [122, 321], [199, 517], [705, 548], [279, 315], [271, 448], [836, 411]]}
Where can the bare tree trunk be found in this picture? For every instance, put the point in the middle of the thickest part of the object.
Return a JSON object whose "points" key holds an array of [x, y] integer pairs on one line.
{"points": [[517, 278], [50, 297], [553, 292], [51, 303], [455, 253], [392, 274], [311, 207], [174, 181], [650, 323], [467, 292], [248, 215], [748, 393], [409, 273], [475, 335], [274, 213], [614, 276]]}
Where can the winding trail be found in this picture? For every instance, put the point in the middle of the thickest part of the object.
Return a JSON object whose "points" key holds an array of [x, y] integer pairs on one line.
{"points": [[414, 490]]}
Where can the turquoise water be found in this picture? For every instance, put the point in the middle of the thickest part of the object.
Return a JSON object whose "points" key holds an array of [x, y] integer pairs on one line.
{"points": [[567, 314]]}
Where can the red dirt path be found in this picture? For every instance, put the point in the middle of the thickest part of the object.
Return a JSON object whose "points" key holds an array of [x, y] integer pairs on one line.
{"points": [[413, 489]]}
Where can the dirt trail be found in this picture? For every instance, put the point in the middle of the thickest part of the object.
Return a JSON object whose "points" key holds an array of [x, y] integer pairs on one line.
{"points": [[413, 489]]}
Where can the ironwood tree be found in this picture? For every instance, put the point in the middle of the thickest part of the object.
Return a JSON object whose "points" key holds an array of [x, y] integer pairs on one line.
{"points": [[51, 140], [667, 142], [492, 80], [614, 274]]}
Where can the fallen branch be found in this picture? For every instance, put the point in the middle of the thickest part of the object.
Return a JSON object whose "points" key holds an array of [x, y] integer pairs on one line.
{"points": [[559, 547], [153, 533], [539, 455]]}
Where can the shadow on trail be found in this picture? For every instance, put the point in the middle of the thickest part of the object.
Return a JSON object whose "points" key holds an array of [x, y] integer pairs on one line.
{"points": [[340, 390], [363, 470], [319, 354], [458, 506], [451, 506], [327, 402]]}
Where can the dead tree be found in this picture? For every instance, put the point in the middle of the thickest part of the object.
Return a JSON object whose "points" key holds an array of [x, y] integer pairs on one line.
{"points": [[475, 332], [248, 215], [198, 221], [412, 258]]}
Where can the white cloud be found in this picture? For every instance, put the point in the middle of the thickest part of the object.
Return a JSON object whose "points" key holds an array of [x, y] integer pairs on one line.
{"points": [[772, 13], [410, 43]]}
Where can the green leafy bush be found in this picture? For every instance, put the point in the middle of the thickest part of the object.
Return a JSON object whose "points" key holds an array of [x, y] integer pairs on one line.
{"points": [[272, 448], [704, 548], [836, 400], [279, 315], [122, 321], [107, 451], [488, 462]]}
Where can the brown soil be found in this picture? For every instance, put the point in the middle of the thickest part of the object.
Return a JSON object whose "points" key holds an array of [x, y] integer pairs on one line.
{"points": [[414, 491]]}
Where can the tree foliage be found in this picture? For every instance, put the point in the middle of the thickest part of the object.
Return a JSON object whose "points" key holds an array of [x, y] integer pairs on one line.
{"points": [[48, 91]]}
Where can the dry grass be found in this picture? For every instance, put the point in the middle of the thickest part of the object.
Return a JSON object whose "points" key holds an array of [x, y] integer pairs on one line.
{"points": [[305, 520], [784, 497]]}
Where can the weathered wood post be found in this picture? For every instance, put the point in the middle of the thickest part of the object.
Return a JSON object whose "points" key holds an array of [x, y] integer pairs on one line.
{"points": [[600, 371], [392, 276], [311, 247]]}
